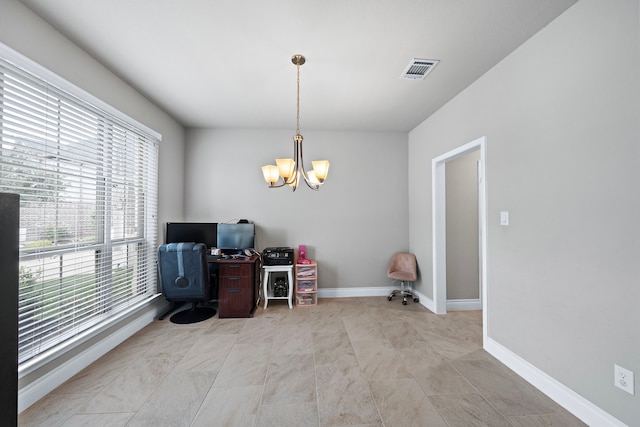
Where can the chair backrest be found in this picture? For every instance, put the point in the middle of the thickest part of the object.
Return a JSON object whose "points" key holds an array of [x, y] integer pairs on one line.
{"points": [[402, 267], [183, 272]]}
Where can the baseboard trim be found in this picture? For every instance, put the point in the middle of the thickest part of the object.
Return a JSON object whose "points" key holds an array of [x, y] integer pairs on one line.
{"points": [[377, 291], [373, 291], [425, 301], [564, 396], [464, 304], [49, 381], [558, 392]]}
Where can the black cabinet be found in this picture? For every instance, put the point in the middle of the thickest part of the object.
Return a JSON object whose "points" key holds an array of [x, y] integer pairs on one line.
{"points": [[9, 224]]}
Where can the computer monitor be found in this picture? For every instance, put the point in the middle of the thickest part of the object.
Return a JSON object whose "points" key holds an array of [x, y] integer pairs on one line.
{"points": [[196, 232], [235, 236]]}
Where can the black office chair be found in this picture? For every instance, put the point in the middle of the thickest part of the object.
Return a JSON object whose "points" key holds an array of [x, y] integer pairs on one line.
{"points": [[184, 277], [403, 268]]}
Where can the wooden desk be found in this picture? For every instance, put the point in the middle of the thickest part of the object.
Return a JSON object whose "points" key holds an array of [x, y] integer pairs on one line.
{"points": [[237, 283]]}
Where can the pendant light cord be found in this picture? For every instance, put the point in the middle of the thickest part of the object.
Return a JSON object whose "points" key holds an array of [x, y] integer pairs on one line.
{"points": [[298, 102]]}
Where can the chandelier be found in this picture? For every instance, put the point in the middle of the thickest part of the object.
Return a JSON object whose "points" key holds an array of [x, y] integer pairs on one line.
{"points": [[289, 171]]}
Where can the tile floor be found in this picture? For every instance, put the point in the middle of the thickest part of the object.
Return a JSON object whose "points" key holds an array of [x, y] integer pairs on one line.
{"points": [[344, 362]]}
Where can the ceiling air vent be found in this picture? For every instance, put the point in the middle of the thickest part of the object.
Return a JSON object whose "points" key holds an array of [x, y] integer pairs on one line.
{"points": [[419, 68]]}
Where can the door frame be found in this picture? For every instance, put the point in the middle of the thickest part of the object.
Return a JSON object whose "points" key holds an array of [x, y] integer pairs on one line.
{"points": [[439, 228]]}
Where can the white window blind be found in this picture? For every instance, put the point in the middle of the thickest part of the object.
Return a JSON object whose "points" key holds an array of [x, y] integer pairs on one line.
{"points": [[87, 181]]}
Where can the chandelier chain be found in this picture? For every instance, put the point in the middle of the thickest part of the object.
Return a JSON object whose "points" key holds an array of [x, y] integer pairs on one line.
{"points": [[298, 101]]}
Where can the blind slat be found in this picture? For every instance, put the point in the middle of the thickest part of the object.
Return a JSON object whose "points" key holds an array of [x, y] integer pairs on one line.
{"points": [[88, 185]]}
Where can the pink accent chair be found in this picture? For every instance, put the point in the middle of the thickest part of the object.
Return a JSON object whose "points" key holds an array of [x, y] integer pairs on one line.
{"points": [[403, 268]]}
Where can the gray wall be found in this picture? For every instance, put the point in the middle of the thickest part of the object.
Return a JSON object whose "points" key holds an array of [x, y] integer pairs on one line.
{"points": [[351, 226], [24, 32], [463, 254], [561, 116]]}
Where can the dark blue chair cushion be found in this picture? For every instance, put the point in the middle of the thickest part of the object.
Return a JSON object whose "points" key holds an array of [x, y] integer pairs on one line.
{"points": [[183, 272]]}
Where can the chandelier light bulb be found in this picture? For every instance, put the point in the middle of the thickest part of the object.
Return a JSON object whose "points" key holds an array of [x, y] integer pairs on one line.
{"points": [[289, 171]]}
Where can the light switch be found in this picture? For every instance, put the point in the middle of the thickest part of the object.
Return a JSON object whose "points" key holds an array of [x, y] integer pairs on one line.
{"points": [[504, 218]]}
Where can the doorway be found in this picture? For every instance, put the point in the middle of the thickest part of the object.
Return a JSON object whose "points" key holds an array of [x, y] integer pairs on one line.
{"points": [[463, 232], [439, 230]]}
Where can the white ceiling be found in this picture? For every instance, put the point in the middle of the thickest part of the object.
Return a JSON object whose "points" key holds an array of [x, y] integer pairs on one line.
{"points": [[227, 63]]}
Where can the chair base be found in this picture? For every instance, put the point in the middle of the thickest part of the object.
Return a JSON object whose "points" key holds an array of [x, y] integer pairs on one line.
{"points": [[194, 314], [405, 293]]}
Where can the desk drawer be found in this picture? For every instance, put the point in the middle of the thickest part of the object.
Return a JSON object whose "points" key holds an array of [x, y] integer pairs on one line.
{"points": [[230, 269], [230, 282]]}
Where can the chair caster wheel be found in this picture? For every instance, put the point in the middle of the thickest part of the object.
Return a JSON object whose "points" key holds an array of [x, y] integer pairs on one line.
{"points": [[389, 298], [404, 302], [416, 300]]}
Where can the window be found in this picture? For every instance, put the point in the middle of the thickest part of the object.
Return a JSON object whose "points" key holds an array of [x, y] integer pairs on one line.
{"points": [[87, 179]]}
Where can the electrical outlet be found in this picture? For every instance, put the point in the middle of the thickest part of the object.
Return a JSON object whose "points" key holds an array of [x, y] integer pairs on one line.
{"points": [[623, 378]]}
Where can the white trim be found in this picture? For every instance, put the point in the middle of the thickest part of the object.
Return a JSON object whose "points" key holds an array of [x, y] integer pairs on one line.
{"points": [[377, 291], [565, 397], [425, 301], [464, 304], [439, 243], [556, 391], [46, 383], [46, 357], [33, 67]]}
